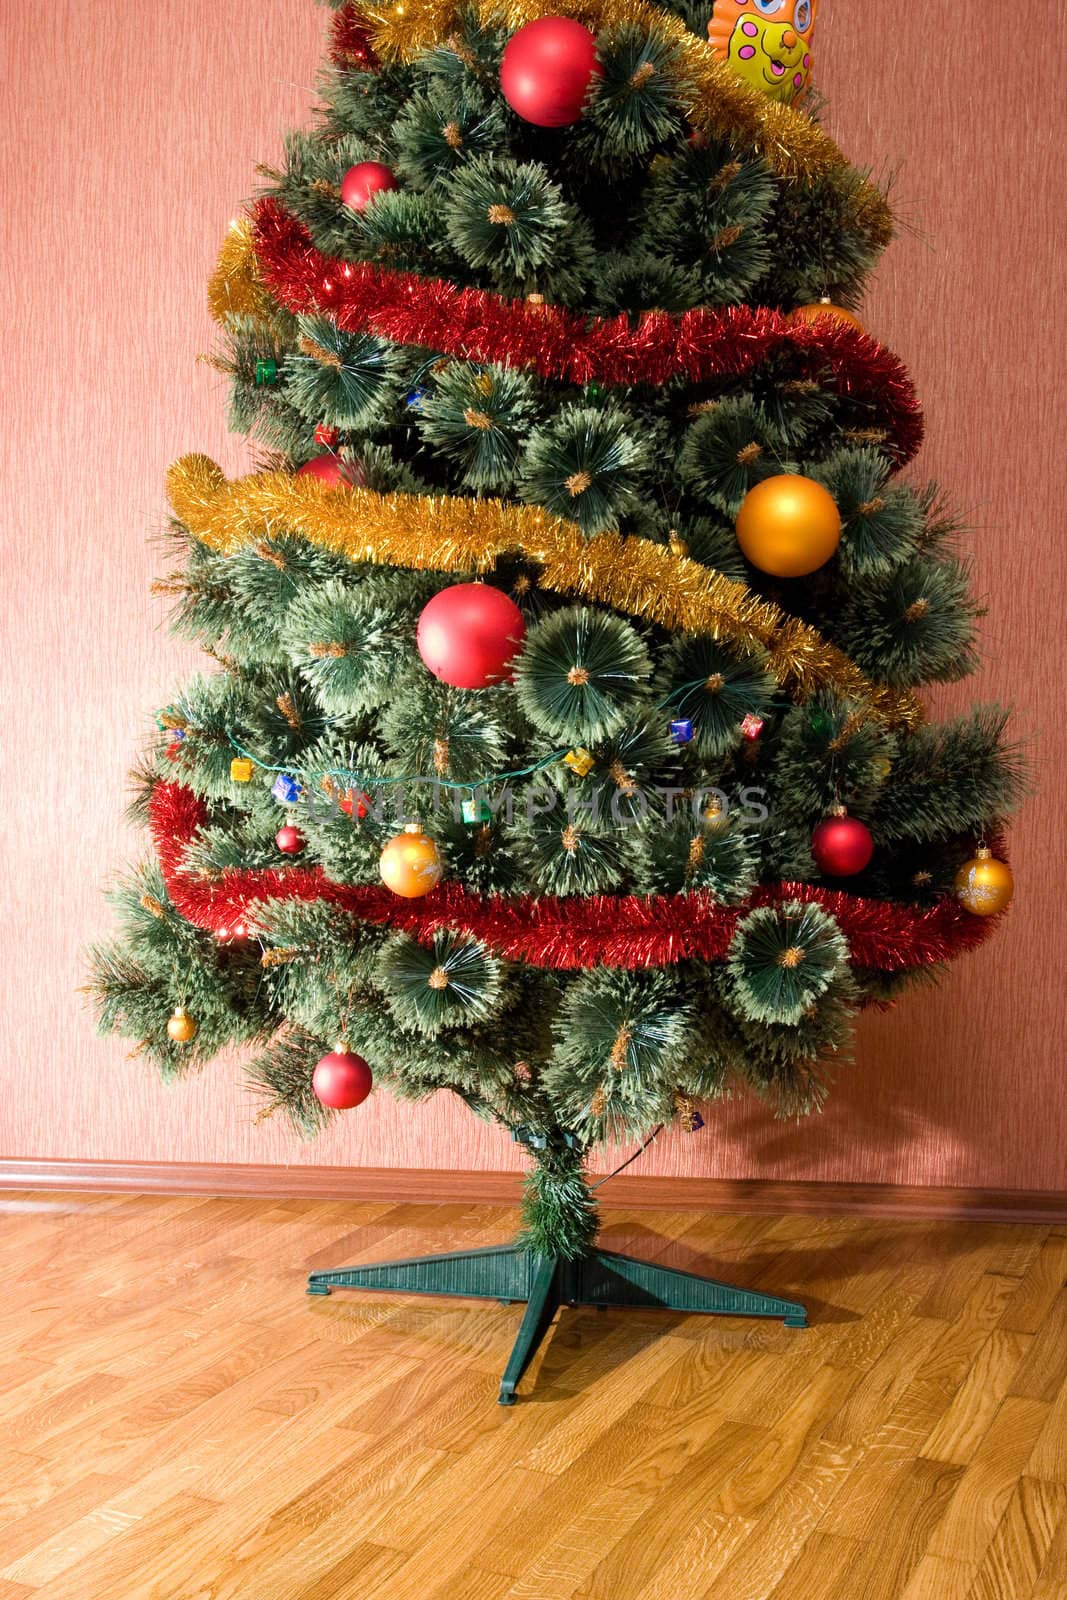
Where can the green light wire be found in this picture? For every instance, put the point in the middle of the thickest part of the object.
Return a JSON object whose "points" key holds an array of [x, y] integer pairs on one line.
{"points": [[350, 775]]}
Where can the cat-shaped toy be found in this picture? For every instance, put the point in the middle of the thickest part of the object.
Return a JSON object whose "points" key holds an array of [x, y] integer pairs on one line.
{"points": [[767, 42]]}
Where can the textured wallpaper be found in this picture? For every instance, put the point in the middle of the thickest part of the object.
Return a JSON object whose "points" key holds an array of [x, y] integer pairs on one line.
{"points": [[134, 139]]}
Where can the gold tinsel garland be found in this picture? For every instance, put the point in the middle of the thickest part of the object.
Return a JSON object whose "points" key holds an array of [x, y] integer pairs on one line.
{"points": [[234, 288], [716, 100], [453, 534]]}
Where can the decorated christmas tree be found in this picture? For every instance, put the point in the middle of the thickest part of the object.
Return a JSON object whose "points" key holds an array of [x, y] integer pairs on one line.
{"points": [[562, 744]]}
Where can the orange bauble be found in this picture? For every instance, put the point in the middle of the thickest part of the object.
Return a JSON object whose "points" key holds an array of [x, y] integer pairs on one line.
{"points": [[826, 308], [985, 885], [788, 525], [411, 863]]}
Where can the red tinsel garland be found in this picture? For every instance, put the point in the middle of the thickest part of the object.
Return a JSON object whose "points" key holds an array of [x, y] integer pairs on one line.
{"points": [[350, 40], [598, 931], [699, 346]]}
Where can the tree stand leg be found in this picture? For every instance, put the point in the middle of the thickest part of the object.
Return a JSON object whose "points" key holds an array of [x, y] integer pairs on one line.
{"points": [[599, 1278]]}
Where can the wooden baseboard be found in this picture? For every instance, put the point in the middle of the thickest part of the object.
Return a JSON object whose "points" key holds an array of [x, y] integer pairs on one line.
{"points": [[426, 1185]]}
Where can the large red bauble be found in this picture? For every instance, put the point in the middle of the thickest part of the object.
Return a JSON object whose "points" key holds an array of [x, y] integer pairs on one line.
{"points": [[842, 846], [546, 71], [334, 472], [341, 1080], [362, 182], [290, 840], [468, 634]]}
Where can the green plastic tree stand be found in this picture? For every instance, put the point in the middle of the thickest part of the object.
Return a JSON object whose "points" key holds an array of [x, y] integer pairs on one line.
{"points": [[599, 1278]]}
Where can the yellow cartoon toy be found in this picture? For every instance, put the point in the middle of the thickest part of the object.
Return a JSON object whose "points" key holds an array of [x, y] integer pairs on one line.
{"points": [[767, 42]]}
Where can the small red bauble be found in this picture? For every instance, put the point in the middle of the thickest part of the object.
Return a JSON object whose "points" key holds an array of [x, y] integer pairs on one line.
{"points": [[362, 182], [841, 846], [468, 634], [341, 1080], [546, 71], [290, 840], [334, 472]]}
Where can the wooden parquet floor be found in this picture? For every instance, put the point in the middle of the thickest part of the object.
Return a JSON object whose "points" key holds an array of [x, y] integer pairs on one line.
{"points": [[180, 1423]]}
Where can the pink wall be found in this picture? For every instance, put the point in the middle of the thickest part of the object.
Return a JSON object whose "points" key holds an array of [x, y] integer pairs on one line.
{"points": [[139, 125]]}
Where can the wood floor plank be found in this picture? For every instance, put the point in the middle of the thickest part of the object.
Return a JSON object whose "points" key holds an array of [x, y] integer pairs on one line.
{"points": [[1049, 1460], [909, 1422], [582, 1541], [1013, 1561], [1044, 1372], [986, 1487], [876, 1391], [348, 1578], [821, 1565], [126, 1564], [1054, 1567], [698, 1556], [963, 1426], [654, 1535], [936, 1578], [788, 1521], [70, 1504], [594, 1410], [1033, 1300], [907, 1515]]}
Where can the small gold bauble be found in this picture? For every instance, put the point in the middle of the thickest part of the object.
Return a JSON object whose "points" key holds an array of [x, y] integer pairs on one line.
{"points": [[826, 308], [181, 1027], [788, 525], [985, 885], [411, 863]]}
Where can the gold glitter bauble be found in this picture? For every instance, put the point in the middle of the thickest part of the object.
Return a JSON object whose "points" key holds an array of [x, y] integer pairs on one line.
{"points": [[825, 308], [181, 1027], [984, 885], [411, 863]]}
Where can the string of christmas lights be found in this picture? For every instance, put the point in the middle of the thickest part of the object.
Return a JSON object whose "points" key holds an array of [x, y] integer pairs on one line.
{"points": [[302, 778], [698, 346], [349, 775], [455, 534], [563, 933]]}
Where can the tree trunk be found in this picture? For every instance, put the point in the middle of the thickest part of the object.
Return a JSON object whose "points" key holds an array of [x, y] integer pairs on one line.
{"points": [[559, 1214]]}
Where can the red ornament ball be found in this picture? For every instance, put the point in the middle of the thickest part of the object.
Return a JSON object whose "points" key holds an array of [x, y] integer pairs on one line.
{"points": [[332, 471], [290, 840], [841, 846], [362, 182], [341, 1080], [546, 71], [468, 634]]}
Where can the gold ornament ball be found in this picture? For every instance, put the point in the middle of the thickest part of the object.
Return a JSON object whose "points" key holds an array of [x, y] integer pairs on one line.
{"points": [[826, 308], [788, 525], [984, 885], [181, 1027], [411, 863]]}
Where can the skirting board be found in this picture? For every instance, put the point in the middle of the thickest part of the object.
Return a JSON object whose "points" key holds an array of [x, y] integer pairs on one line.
{"points": [[502, 1188]]}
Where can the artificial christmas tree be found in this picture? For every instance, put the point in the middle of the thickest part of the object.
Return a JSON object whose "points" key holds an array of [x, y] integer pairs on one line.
{"points": [[563, 747]]}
